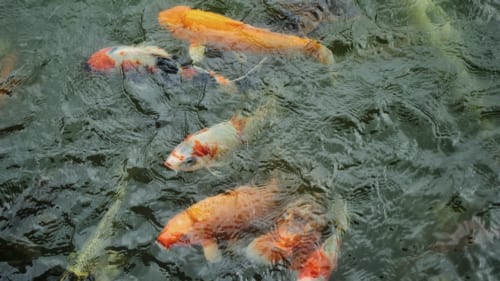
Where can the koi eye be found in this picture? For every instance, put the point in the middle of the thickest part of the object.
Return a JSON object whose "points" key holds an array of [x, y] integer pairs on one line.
{"points": [[190, 161]]}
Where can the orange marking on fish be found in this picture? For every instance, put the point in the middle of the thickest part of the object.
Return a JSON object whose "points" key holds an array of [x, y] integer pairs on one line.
{"points": [[200, 27], [138, 62], [122, 53], [178, 156], [101, 60], [203, 150], [221, 80], [318, 264]]}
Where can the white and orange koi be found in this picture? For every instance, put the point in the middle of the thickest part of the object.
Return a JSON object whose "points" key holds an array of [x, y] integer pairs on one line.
{"points": [[149, 59], [297, 232], [222, 216], [126, 58], [202, 28], [207, 147]]}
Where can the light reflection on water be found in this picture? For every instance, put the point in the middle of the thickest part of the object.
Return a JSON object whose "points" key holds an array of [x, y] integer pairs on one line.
{"points": [[408, 132]]}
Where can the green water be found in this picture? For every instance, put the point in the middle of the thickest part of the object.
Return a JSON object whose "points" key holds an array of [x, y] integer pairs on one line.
{"points": [[406, 127]]}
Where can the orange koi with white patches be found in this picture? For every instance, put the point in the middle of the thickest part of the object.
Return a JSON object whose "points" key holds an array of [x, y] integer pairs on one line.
{"points": [[201, 28], [222, 216], [295, 236]]}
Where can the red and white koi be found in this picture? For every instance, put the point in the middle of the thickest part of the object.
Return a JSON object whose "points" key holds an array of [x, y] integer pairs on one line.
{"points": [[207, 147], [126, 58], [222, 216], [149, 59]]}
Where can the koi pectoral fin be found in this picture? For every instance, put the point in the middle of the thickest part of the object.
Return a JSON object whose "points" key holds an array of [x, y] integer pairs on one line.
{"points": [[197, 52], [211, 250]]}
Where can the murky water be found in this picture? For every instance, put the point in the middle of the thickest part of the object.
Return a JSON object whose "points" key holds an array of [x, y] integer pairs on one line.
{"points": [[406, 128]]}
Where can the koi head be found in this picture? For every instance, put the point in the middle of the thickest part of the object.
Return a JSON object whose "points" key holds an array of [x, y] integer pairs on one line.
{"points": [[191, 155], [177, 231], [182, 159], [101, 61]]}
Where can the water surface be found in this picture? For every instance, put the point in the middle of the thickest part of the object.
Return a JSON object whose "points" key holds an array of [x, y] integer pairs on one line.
{"points": [[405, 126]]}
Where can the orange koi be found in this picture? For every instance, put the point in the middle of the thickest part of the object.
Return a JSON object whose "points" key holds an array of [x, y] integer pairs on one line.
{"points": [[297, 233], [201, 28], [222, 216], [207, 147], [323, 261]]}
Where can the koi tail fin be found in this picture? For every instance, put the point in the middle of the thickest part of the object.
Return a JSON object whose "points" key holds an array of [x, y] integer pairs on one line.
{"points": [[324, 55], [249, 126]]}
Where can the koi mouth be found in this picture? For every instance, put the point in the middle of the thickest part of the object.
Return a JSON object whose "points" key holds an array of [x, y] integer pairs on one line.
{"points": [[168, 165]]}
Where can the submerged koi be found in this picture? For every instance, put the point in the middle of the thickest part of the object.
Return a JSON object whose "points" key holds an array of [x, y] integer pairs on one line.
{"points": [[207, 147], [306, 16], [296, 234], [201, 28], [221, 216], [7, 81], [323, 261]]}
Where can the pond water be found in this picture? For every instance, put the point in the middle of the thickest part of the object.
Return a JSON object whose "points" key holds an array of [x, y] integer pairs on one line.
{"points": [[406, 127]]}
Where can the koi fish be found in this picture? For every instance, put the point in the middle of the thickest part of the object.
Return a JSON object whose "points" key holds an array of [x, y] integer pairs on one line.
{"points": [[207, 147], [150, 59], [297, 233], [323, 261], [306, 15], [221, 216], [200, 28], [84, 264], [468, 232], [126, 58]]}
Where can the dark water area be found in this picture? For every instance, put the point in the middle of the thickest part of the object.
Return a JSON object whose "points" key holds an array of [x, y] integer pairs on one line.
{"points": [[406, 127]]}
